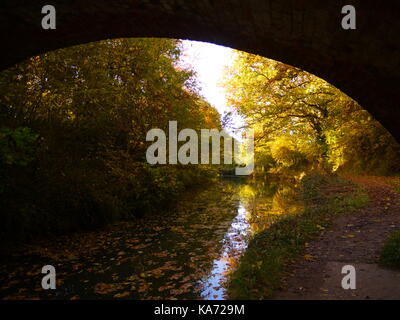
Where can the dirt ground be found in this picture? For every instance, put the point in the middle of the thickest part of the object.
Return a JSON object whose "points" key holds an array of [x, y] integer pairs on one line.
{"points": [[354, 240]]}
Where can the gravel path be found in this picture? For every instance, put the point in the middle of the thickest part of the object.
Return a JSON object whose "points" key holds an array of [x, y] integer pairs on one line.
{"points": [[354, 240]]}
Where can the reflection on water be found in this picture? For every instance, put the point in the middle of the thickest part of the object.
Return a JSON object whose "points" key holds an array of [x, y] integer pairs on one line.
{"points": [[261, 203], [185, 253], [234, 243]]}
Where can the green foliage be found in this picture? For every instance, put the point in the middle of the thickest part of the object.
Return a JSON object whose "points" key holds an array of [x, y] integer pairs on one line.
{"points": [[17, 150], [390, 254], [17, 146]]}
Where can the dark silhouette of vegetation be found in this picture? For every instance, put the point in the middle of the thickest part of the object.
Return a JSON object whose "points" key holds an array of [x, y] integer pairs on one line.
{"points": [[73, 135]]}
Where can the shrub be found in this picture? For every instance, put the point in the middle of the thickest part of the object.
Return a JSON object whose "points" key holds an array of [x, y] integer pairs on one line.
{"points": [[390, 254]]}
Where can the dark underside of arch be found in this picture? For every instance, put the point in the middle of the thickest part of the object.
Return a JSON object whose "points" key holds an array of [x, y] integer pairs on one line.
{"points": [[364, 63]]}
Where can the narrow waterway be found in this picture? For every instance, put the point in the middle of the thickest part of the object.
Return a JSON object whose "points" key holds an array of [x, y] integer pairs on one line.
{"points": [[260, 204], [187, 253]]}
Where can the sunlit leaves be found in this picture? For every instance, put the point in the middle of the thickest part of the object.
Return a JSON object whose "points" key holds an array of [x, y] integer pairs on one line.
{"points": [[300, 118]]}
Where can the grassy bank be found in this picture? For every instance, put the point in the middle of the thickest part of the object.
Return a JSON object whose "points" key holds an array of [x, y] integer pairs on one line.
{"points": [[265, 262], [390, 254]]}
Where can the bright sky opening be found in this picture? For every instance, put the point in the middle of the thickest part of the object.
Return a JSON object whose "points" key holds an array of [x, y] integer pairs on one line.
{"points": [[209, 62]]}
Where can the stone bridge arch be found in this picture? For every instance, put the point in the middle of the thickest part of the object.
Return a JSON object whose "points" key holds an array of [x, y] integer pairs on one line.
{"points": [[364, 63]]}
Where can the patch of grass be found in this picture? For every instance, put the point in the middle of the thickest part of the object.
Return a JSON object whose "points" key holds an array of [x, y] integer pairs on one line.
{"points": [[266, 261], [396, 185], [390, 254]]}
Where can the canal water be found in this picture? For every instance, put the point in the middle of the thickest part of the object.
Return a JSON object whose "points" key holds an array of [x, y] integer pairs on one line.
{"points": [[187, 253]]}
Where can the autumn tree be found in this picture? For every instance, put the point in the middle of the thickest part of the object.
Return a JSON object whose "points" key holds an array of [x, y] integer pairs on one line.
{"points": [[299, 117], [73, 134]]}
